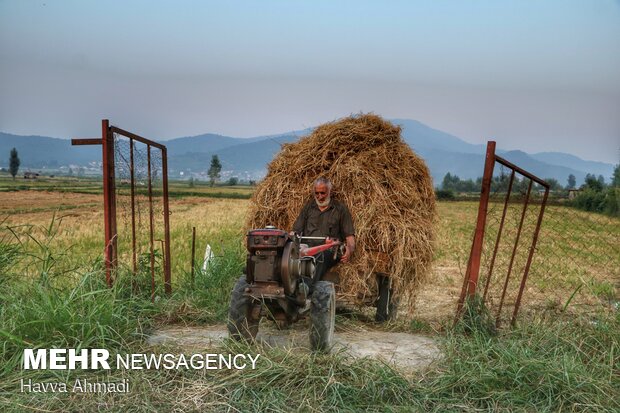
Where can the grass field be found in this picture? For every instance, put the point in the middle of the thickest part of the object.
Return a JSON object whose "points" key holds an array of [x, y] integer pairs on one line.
{"points": [[562, 356], [576, 249]]}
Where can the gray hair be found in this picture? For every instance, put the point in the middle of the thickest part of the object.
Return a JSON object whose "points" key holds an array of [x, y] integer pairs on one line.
{"points": [[323, 181]]}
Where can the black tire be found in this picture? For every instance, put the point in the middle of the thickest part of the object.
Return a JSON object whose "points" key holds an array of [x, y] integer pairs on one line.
{"points": [[387, 307], [322, 316], [240, 325]]}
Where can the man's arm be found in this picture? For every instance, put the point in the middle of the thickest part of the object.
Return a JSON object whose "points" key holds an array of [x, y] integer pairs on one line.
{"points": [[300, 222], [346, 227]]}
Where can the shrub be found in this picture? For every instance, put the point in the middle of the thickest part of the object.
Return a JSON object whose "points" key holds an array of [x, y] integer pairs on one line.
{"points": [[445, 194], [606, 201]]}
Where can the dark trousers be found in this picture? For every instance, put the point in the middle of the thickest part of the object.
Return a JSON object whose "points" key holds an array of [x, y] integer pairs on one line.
{"points": [[323, 263]]}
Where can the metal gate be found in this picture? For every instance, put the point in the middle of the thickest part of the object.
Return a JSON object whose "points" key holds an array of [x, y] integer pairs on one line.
{"points": [[511, 242], [135, 180]]}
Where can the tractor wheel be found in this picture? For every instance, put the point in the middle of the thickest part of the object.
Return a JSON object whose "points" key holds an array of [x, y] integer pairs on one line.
{"points": [[240, 325], [322, 316], [386, 306]]}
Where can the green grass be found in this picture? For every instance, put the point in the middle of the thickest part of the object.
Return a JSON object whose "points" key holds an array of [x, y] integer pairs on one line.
{"points": [[53, 294], [542, 365]]}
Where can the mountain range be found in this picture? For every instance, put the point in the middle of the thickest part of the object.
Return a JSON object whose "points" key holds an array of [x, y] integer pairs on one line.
{"points": [[247, 158]]}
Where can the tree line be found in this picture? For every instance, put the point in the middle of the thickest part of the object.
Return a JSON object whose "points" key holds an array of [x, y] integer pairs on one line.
{"points": [[595, 194], [453, 183]]}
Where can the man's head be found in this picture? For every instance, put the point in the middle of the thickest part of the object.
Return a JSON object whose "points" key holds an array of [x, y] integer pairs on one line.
{"points": [[322, 191]]}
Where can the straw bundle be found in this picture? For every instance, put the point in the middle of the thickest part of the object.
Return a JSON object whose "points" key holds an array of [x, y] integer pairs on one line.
{"points": [[387, 188]]}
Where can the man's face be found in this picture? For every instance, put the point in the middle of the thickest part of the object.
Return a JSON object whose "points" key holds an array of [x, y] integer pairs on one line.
{"points": [[321, 194]]}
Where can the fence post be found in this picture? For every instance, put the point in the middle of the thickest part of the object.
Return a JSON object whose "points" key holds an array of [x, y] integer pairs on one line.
{"points": [[133, 214], [109, 201], [473, 267], [193, 253], [167, 280]]}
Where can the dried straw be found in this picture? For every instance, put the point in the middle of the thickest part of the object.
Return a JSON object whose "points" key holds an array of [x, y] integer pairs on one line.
{"points": [[385, 185]]}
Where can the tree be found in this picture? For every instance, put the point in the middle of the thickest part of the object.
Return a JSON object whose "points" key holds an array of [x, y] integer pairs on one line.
{"points": [[554, 185], [451, 182], [615, 179], [214, 170], [233, 181], [521, 185], [14, 163], [500, 183], [601, 180], [446, 184], [592, 183], [572, 181]]}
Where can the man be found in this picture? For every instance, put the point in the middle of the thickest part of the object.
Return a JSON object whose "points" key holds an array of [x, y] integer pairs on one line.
{"points": [[326, 217]]}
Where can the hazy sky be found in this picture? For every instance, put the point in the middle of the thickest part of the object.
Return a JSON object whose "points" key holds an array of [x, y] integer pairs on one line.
{"points": [[533, 75]]}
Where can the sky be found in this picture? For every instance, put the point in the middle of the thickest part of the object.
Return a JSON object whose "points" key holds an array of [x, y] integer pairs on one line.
{"points": [[532, 75]]}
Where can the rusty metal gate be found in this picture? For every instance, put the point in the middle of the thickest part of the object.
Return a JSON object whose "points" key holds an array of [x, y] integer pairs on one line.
{"points": [[510, 214], [135, 192]]}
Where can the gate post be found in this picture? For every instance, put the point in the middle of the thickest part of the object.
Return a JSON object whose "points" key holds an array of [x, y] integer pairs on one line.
{"points": [[109, 201], [167, 281], [473, 266]]}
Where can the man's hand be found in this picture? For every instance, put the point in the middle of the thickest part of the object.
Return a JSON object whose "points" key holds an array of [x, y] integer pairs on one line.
{"points": [[349, 249], [347, 255]]}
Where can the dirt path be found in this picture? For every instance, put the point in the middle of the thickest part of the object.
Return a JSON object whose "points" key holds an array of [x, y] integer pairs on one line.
{"points": [[405, 350]]}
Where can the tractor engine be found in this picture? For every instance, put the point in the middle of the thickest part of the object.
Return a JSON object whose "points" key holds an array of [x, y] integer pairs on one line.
{"points": [[277, 285], [274, 268]]}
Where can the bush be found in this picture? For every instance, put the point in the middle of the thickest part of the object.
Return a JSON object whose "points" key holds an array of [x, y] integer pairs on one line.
{"points": [[233, 181], [612, 204], [445, 194], [606, 201]]}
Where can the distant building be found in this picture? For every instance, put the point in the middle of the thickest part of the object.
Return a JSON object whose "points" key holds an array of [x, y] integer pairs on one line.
{"points": [[572, 193], [30, 175]]}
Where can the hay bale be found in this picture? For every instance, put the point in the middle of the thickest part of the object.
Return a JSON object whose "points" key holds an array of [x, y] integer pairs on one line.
{"points": [[387, 188]]}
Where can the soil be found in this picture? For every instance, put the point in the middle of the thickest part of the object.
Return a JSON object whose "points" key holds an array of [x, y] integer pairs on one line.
{"points": [[401, 350], [29, 201]]}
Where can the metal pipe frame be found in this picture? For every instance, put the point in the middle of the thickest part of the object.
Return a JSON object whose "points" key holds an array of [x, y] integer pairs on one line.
{"points": [[499, 236], [470, 280], [521, 171], [151, 240], [109, 202], [529, 257], [514, 252], [138, 138]]}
